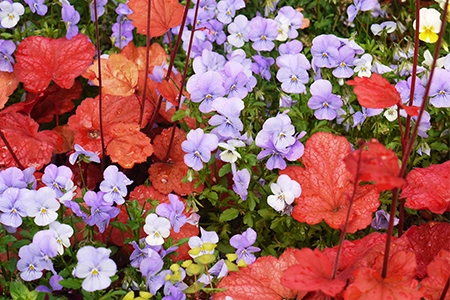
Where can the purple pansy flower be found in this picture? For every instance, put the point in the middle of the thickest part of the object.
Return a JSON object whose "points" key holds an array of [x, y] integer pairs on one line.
{"points": [[141, 251], [208, 61], [243, 243], [241, 180], [215, 32], [325, 52], [262, 65], [83, 155], [42, 205], [238, 31], [235, 80], [71, 17], [226, 9], [114, 185], [11, 177], [95, 266], [381, 220], [227, 117], [292, 73], [173, 211], [361, 5], [440, 89], [205, 88], [291, 19], [404, 89], [100, 9], [150, 267], [360, 116], [262, 33], [13, 207], [292, 47], [345, 59], [101, 211], [29, 264], [7, 48], [122, 33], [198, 148], [37, 6], [56, 178], [323, 101]]}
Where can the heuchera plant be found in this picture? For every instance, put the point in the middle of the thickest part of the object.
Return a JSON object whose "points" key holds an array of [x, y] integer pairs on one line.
{"points": [[224, 149]]}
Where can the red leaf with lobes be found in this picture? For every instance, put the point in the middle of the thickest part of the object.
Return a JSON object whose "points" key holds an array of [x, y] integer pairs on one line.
{"points": [[261, 280], [375, 92], [427, 241], [327, 186], [41, 60], [31, 147], [376, 163], [429, 188], [311, 273], [438, 274], [165, 15]]}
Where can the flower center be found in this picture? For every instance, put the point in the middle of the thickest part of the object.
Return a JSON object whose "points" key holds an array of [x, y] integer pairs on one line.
{"points": [[43, 210], [294, 78], [263, 37], [94, 271]]}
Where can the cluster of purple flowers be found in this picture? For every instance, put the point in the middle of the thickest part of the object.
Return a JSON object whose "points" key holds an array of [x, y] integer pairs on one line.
{"points": [[71, 17], [123, 28], [293, 67], [7, 48], [279, 141]]}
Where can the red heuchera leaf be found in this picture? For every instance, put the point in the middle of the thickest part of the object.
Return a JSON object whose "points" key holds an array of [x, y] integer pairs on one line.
{"points": [[31, 147], [428, 188], [157, 55], [438, 274], [427, 241], [327, 186], [166, 14], [129, 145], [311, 273], [377, 164], [119, 75], [261, 280], [161, 144], [186, 231], [8, 82], [56, 101], [142, 193], [41, 60]]}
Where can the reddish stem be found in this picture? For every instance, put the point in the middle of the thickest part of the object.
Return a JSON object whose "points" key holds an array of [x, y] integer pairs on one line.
{"points": [[169, 69], [147, 58], [8, 146], [411, 141], [347, 217], [445, 290], [183, 78], [100, 96]]}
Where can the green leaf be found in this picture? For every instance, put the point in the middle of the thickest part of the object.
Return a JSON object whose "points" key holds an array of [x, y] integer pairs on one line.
{"points": [[229, 214], [71, 283], [18, 291], [205, 259], [182, 242], [248, 219], [178, 115], [438, 146], [225, 170], [11, 264], [8, 239], [122, 227], [267, 213], [197, 286], [194, 269]]}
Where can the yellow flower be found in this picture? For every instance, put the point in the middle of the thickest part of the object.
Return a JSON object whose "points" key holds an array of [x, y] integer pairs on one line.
{"points": [[429, 25]]}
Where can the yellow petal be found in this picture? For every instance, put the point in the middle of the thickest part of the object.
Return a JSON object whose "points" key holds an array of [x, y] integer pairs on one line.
{"points": [[428, 37]]}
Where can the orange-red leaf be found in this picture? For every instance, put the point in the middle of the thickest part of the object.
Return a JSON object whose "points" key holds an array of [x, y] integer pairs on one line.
{"points": [[311, 273], [119, 75], [161, 144], [8, 83], [31, 147], [41, 60], [129, 145], [327, 186], [375, 163], [165, 15], [157, 55], [375, 92], [260, 280], [427, 241], [438, 274], [429, 188]]}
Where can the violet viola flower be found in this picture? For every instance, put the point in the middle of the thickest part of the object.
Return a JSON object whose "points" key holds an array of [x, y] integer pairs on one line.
{"points": [[292, 73], [262, 65], [56, 178], [122, 33], [54, 284], [292, 47], [291, 19], [42, 206], [114, 185], [37, 6], [173, 211], [150, 267], [11, 177], [262, 33], [205, 88], [101, 211], [215, 33], [28, 177], [95, 266], [235, 80], [208, 6], [208, 61], [142, 251], [404, 89], [345, 60], [29, 265], [381, 220], [360, 116], [198, 148], [361, 5], [243, 243], [440, 89], [71, 17], [226, 9], [7, 48], [100, 9], [13, 207], [238, 31], [323, 101], [241, 181], [227, 119], [83, 155], [325, 52]]}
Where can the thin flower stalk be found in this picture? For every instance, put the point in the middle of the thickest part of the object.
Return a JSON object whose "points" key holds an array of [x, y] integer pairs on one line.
{"points": [[147, 58]]}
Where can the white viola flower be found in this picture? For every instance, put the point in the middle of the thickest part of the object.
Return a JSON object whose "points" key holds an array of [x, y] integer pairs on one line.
{"points": [[429, 60], [283, 30], [229, 154], [285, 191], [69, 189], [430, 25], [363, 65], [389, 26], [63, 234], [157, 228], [42, 205], [391, 113], [10, 13]]}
